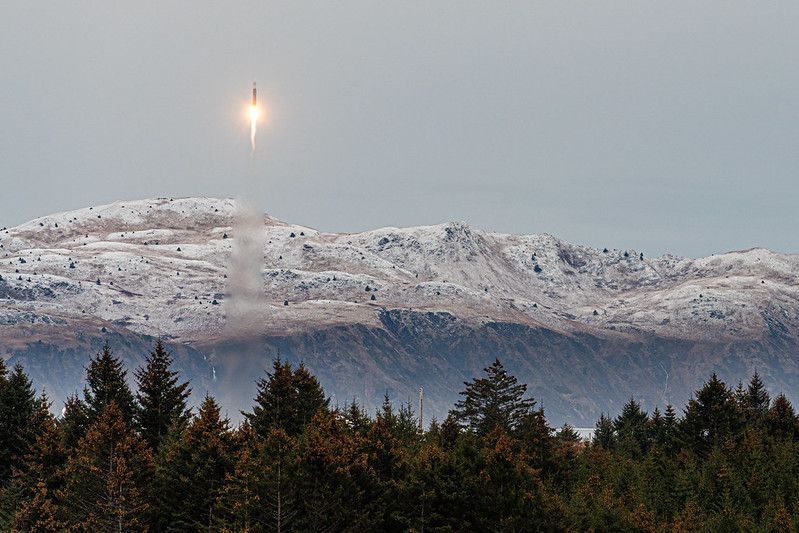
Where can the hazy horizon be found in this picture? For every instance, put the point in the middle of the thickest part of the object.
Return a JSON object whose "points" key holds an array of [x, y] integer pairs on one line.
{"points": [[667, 128]]}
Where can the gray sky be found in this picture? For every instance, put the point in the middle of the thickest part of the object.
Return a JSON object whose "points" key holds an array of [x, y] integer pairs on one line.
{"points": [[663, 126]]}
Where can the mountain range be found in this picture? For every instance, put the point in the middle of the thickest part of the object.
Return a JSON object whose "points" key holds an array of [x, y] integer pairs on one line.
{"points": [[390, 310]]}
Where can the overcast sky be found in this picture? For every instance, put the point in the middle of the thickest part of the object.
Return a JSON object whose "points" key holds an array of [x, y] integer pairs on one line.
{"points": [[662, 126]]}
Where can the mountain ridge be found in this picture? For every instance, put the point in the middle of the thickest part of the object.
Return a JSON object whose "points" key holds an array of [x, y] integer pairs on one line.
{"points": [[167, 268]]}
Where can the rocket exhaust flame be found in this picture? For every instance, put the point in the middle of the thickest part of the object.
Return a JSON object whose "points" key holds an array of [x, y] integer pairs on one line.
{"points": [[253, 117], [253, 120]]}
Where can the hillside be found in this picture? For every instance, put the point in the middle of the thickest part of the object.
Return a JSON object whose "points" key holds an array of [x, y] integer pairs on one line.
{"points": [[390, 309]]}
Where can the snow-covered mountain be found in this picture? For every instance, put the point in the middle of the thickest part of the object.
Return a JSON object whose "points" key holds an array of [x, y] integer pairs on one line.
{"points": [[390, 309]]}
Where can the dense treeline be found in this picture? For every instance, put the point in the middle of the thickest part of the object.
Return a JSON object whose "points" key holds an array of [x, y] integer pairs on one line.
{"points": [[119, 460]]}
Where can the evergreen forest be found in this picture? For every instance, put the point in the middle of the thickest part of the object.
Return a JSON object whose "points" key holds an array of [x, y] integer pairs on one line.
{"points": [[129, 454]]}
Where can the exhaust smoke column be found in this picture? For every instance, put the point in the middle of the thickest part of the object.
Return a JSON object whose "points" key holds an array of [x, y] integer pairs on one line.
{"points": [[245, 272]]}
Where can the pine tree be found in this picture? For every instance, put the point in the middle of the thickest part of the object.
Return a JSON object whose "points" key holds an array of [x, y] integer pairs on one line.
{"points": [[106, 480], [161, 398], [286, 400], [106, 380], [17, 408], [191, 470], [496, 400]]}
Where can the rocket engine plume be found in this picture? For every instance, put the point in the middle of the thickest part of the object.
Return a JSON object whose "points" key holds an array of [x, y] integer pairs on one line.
{"points": [[253, 118]]}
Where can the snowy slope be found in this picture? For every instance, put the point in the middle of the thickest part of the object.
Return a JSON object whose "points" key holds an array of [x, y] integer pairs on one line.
{"points": [[160, 267]]}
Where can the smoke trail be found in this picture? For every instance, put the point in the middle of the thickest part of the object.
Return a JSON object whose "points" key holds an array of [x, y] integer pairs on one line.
{"points": [[245, 272]]}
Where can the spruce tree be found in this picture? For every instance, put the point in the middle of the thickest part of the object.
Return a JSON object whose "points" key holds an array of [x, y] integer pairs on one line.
{"points": [[442, 483], [402, 424], [274, 402], [357, 418], [286, 400], [239, 502], [260, 494], [536, 438], [334, 478], [567, 436], [496, 400], [450, 431], [310, 396], [508, 494], [668, 437], [17, 408], [106, 380], [106, 480], [161, 397], [711, 417], [604, 435], [74, 421], [655, 425], [39, 514], [3, 374], [407, 429], [781, 420], [631, 427], [191, 470], [29, 502], [756, 400], [386, 413]]}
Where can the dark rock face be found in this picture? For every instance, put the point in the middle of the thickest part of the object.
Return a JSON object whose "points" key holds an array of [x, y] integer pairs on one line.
{"points": [[58, 366], [575, 376]]}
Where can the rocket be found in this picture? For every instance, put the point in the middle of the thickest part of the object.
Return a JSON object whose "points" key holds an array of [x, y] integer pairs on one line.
{"points": [[253, 94]]}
